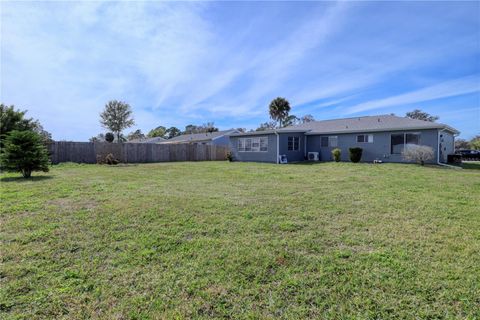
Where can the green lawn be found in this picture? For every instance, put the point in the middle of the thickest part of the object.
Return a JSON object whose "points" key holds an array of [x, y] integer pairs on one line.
{"points": [[241, 240]]}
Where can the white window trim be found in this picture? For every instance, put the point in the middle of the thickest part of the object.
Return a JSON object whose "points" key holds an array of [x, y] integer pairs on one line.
{"points": [[293, 143], [243, 141], [368, 136]]}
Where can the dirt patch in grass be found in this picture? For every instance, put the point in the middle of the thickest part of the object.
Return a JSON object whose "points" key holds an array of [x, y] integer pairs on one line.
{"points": [[68, 204]]}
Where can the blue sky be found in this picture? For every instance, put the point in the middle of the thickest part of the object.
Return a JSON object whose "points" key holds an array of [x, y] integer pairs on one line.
{"points": [[179, 63]]}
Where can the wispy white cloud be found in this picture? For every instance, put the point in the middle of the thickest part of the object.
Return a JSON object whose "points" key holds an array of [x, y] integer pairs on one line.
{"points": [[465, 85], [182, 62]]}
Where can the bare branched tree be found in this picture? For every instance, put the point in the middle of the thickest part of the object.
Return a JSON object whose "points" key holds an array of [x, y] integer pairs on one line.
{"points": [[419, 154]]}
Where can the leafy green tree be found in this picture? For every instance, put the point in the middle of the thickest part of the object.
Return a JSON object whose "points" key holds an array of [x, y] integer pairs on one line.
{"points": [[11, 119], [38, 128], [117, 116], [307, 118], [279, 109], [159, 131], [209, 127], [206, 127], [271, 125], [461, 144], [98, 138], [291, 120], [421, 115], [135, 135], [24, 152], [475, 143], [191, 128], [172, 132]]}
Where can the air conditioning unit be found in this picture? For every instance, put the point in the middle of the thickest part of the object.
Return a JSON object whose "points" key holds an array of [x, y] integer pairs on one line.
{"points": [[313, 156]]}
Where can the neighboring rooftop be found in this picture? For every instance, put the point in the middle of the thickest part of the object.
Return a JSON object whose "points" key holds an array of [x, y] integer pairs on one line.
{"points": [[197, 137], [148, 140]]}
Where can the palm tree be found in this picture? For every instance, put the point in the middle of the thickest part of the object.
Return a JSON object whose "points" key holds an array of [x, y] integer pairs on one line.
{"points": [[279, 109]]}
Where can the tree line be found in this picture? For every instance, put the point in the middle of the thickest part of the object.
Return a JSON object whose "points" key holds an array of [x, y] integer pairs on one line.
{"points": [[279, 111], [118, 116], [23, 140]]}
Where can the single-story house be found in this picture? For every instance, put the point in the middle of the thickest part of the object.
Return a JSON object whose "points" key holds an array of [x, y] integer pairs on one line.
{"points": [[148, 140], [210, 138], [381, 137]]}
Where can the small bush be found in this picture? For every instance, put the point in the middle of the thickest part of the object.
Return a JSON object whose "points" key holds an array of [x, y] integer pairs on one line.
{"points": [[108, 159], [417, 153], [109, 137], [230, 156], [454, 158], [24, 151], [100, 159], [355, 154], [336, 154]]}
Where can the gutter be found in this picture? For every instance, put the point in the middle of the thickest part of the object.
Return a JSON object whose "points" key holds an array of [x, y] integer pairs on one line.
{"points": [[305, 146]]}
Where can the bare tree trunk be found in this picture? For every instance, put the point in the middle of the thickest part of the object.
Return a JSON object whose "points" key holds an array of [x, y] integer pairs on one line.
{"points": [[26, 173]]}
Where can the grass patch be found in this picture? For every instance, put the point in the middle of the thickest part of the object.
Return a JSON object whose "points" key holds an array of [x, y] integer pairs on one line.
{"points": [[471, 165], [241, 240]]}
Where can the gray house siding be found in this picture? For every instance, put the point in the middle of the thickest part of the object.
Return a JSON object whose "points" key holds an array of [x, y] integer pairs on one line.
{"points": [[265, 156], [380, 148], [292, 156], [221, 141], [447, 145]]}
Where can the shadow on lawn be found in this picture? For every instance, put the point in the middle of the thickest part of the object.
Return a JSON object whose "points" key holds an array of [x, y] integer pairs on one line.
{"points": [[471, 165], [307, 163], [22, 179]]}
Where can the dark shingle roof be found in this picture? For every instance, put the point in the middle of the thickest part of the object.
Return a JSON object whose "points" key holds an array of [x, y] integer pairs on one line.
{"points": [[366, 123]]}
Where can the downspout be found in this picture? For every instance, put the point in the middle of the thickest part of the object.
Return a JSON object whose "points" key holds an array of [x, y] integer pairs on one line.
{"points": [[305, 146], [278, 147], [438, 153]]}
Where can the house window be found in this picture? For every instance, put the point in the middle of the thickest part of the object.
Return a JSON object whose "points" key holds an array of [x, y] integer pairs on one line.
{"points": [[255, 144], [293, 143], [263, 144], [365, 138], [412, 138], [331, 141], [241, 145], [400, 140], [259, 144], [248, 144], [323, 141]]}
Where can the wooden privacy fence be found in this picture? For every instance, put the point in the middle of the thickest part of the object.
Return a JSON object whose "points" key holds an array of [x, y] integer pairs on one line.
{"points": [[87, 152]]}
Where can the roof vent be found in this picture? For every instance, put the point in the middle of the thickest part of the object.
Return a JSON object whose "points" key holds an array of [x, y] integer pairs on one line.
{"points": [[378, 119]]}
